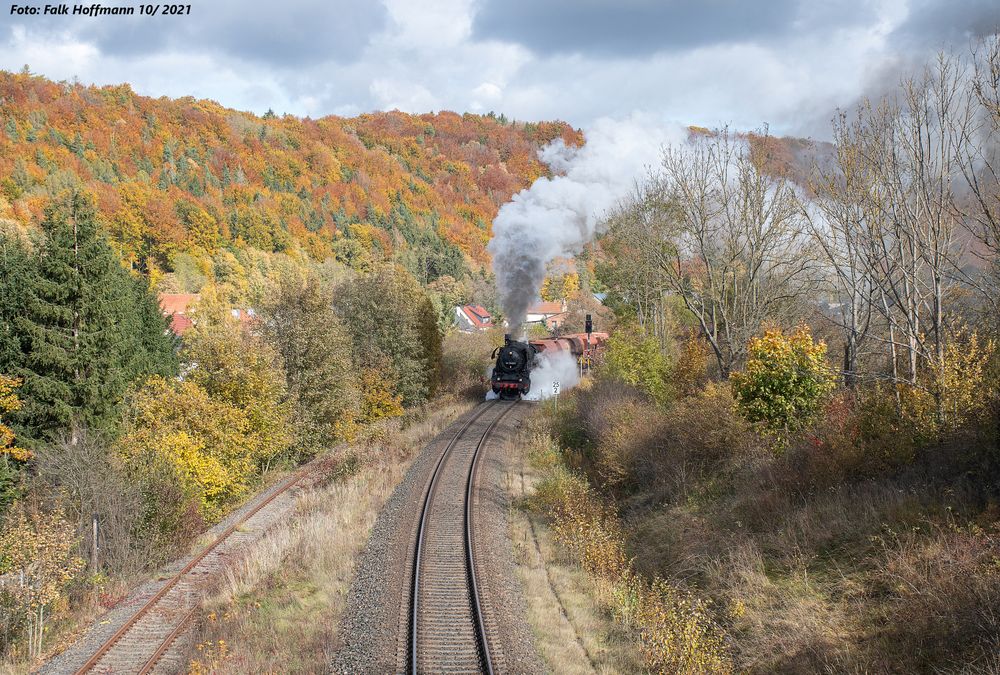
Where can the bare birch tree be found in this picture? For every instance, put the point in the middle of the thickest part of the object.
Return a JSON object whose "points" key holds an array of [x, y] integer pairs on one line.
{"points": [[724, 237], [979, 162], [840, 218]]}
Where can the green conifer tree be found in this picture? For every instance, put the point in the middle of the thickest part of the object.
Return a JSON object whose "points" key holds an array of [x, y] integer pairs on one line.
{"points": [[88, 330]]}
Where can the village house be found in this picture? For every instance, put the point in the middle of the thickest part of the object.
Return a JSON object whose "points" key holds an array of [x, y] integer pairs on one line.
{"points": [[472, 318], [550, 314], [178, 307]]}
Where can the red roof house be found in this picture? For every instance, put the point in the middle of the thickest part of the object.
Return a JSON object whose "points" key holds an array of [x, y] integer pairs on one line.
{"points": [[543, 311], [179, 324], [177, 303], [472, 318], [178, 306]]}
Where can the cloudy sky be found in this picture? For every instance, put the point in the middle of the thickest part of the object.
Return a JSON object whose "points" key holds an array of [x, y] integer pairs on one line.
{"points": [[788, 63]]}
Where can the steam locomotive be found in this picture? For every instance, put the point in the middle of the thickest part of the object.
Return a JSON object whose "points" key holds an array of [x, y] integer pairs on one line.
{"points": [[511, 378], [511, 375]]}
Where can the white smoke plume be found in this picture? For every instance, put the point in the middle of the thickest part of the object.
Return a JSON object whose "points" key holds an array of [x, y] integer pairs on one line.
{"points": [[549, 368], [558, 367], [556, 216]]}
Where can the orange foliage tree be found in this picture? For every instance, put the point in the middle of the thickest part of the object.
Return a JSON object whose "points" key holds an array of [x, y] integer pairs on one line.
{"points": [[189, 175]]}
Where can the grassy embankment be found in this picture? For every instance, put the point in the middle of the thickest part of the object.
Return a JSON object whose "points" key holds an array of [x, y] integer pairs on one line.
{"points": [[849, 548]]}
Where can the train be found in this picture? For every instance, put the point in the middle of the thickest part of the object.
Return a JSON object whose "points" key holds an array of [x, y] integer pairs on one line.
{"points": [[515, 359]]}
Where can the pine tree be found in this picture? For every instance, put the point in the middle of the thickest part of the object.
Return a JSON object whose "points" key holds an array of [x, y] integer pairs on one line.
{"points": [[16, 274], [88, 330]]}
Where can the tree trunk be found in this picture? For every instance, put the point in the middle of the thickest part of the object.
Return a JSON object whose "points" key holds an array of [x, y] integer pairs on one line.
{"points": [[850, 361]]}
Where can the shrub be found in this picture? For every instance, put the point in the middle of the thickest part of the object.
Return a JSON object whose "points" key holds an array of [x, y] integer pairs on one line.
{"points": [[677, 632], [694, 446], [466, 361], [91, 479], [942, 591], [958, 382], [667, 452], [636, 359], [210, 448], [377, 398], [690, 371], [36, 550], [607, 422], [784, 381], [672, 625]]}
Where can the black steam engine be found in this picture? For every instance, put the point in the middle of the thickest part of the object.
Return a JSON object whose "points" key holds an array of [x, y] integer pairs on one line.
{"points": [[510, 378]]}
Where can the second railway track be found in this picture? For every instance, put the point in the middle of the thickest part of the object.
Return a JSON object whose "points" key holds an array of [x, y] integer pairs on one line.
{"points": [[143, 643], [446, 627]]}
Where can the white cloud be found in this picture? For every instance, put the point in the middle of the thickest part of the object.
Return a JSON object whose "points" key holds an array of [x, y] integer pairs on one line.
{"points": [[59, 55], [392, 94], [430, 24], [422, 56]]}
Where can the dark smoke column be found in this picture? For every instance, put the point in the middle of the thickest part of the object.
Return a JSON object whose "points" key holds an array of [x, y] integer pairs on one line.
{"points": [[557, 216], [521, 249]]}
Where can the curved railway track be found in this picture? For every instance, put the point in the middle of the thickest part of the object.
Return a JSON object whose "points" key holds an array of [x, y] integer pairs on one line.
{"points": [[447, 632], [143, 641]]}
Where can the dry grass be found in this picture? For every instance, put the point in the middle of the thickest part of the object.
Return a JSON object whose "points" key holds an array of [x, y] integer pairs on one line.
{"points": [[279, 610], [573, 632], [668, 626], [843, 552]]}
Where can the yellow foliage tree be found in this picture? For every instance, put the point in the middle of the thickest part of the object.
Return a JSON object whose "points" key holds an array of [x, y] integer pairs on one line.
{"points": [[377, 398], [565, 287], [9, 402], [12, 458], [962, 378], [209, 446], [571, 286], [36, 551], [549, 290], [203, 230], [236, 367], [784, 381]]}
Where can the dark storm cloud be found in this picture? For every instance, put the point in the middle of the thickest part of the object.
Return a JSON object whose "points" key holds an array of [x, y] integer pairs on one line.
{"points": [[933, 24], [286, 34], [636, 27]]}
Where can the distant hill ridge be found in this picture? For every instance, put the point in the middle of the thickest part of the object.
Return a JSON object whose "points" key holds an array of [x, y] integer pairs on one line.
{"points": [[191, 176]]}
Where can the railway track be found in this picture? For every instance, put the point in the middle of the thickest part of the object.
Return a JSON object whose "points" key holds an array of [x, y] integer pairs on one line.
{"points": [[143, 643], [446, 631]]}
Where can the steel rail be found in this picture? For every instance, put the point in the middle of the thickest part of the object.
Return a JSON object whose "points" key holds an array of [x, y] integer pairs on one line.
{"points": [[470, 558], [422, 528], [152, 602]]}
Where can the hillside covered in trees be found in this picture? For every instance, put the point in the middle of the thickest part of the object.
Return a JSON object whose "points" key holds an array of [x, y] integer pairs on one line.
{"points": [[176, 181]]}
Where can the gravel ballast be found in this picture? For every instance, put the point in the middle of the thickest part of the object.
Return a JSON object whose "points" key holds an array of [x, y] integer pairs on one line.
{"points": [[375, 621]]}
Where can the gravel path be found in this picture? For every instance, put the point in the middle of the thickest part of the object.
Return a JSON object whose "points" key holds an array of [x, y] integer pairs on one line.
{"points": [[369, 639], [505, 610]]}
